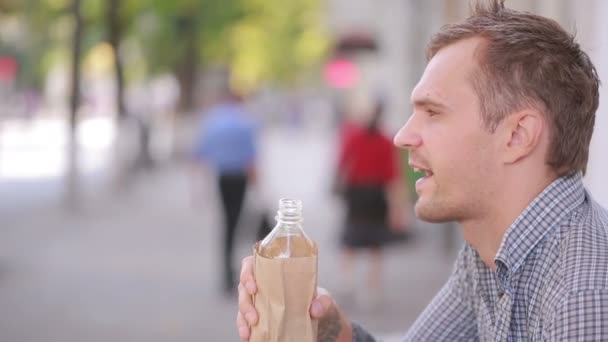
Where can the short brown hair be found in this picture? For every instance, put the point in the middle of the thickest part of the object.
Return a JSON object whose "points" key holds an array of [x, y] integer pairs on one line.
{"points": [[531, 61]]}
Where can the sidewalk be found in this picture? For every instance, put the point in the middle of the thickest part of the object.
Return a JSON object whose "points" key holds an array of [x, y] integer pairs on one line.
{"points": [[144, 267]]}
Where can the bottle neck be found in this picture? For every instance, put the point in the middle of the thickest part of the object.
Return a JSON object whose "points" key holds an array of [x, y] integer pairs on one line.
{"points": [[287, 239], [287, 222], [290, 213]]}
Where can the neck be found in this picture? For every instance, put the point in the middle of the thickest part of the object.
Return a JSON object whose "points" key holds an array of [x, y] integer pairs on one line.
{"points": [[486, 232]]}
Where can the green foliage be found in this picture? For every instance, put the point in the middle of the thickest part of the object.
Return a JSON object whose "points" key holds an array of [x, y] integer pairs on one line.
{"points": [[277, 40], [260, 40], [46, 31]]}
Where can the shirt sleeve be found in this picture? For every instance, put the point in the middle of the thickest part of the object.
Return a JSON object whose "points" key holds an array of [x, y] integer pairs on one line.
{"points": [[450, 315], [582, 315]]}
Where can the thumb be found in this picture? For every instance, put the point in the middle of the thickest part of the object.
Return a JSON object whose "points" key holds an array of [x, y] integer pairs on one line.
{"points": [[321, 304]]}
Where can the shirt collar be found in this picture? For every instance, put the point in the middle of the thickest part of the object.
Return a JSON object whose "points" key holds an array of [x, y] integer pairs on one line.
{"points": [[542, 214]]}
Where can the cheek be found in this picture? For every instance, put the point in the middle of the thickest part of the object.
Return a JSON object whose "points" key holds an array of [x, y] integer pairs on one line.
{"points": [[479, 167], [453, 155], [466, 161], [459, 149]]}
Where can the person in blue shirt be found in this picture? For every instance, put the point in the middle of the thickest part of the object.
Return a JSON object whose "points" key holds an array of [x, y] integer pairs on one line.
{"points": [[226, 144]]}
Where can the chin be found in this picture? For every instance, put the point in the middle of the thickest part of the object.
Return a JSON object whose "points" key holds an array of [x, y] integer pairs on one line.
{"points": [[433, 213]]}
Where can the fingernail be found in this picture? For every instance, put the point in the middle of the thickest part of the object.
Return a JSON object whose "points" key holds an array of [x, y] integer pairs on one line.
{"points": [[250, 286], [250, 317], [317, 308]]}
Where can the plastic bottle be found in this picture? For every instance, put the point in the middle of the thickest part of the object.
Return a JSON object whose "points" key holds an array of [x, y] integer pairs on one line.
{"points": [[286, 276], [287, 239]]}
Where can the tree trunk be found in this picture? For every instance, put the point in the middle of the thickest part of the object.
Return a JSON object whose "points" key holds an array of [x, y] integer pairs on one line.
{"points": [[186, 71], [122, 160], [114, 36], [72, 175]]}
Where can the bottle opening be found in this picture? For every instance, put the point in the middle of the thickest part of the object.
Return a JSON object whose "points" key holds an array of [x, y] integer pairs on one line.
{"points": [[290, 210]]}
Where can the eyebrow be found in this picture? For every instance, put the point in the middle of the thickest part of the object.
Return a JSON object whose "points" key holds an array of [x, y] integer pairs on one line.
{"points": [[427, 102]]}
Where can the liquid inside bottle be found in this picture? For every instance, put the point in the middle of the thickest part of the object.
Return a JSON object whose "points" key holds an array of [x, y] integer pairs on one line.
{"points": [[287, 239]]}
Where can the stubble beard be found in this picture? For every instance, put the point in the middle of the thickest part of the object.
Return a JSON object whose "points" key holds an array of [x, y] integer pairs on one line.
{"points": [[437, 211]]}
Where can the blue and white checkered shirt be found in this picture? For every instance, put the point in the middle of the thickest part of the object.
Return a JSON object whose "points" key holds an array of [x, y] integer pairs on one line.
{"points": [[550, 283]]}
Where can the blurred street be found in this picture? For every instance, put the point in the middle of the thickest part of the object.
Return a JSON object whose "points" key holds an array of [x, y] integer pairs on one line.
{"points": [[108, 232], [144, 266]]}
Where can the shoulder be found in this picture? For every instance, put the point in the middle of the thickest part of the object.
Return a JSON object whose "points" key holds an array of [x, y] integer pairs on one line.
{"points": [[584, 248], [580, 314], [579, 296], [384, 137], [210, 116], [378, 139]]}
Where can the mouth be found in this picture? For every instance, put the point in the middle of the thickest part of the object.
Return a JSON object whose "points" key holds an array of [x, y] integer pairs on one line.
{"points": [[422, 171], [423, 174]]}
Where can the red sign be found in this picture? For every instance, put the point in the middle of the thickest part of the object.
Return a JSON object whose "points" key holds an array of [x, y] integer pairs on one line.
{"points": [[341, 73]]}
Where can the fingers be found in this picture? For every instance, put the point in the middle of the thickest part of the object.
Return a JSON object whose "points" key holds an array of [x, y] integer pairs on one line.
{"points": [[243, 327], [246, 307], [247, 279], [246, 289], [333, 326], [322, 304]]}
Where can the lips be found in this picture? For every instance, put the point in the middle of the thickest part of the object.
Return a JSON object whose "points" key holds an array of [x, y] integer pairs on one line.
{"points": [[419, 168], [426, 173]]}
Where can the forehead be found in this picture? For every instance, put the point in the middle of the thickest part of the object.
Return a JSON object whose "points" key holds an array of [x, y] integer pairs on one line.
{"points": [[447, 77]]}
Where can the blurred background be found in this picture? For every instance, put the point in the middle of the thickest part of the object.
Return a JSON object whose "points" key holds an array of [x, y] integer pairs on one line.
{"points": [[109, 228]]}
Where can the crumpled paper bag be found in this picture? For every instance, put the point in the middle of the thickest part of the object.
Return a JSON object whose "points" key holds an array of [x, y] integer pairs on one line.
{"points": [[285, 289]]}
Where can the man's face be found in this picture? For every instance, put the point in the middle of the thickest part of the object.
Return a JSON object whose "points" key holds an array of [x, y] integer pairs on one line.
{"points": [[447, 141]]}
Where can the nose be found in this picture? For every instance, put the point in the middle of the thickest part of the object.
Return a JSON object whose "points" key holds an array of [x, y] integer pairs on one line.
{"points": [[408, 137]]}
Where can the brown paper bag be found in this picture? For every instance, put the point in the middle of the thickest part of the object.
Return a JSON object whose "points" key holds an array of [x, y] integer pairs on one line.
{"points": [[285, 291]]}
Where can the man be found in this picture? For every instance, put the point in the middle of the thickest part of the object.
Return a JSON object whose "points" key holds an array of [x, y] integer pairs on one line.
{"points": [[503, 116], [227, 144]]}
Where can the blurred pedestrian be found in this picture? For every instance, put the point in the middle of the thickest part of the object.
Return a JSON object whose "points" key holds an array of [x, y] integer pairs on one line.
{"points": [[369, 181], [226, 144]]}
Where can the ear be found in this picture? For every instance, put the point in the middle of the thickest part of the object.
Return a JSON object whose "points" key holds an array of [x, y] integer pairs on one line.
{"points": [[523, 132]]}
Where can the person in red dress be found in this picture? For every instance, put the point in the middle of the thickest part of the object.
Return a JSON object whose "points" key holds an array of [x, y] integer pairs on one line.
{"points": [[374, 195]]}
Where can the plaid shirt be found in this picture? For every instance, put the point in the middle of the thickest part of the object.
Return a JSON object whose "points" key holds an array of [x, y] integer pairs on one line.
{"points": [[550, 283]]}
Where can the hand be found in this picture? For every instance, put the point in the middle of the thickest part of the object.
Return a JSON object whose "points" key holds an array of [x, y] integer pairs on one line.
{"points": [[398, 213], [247, 315], [252, 175], [398, 221], [333, 326]]}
